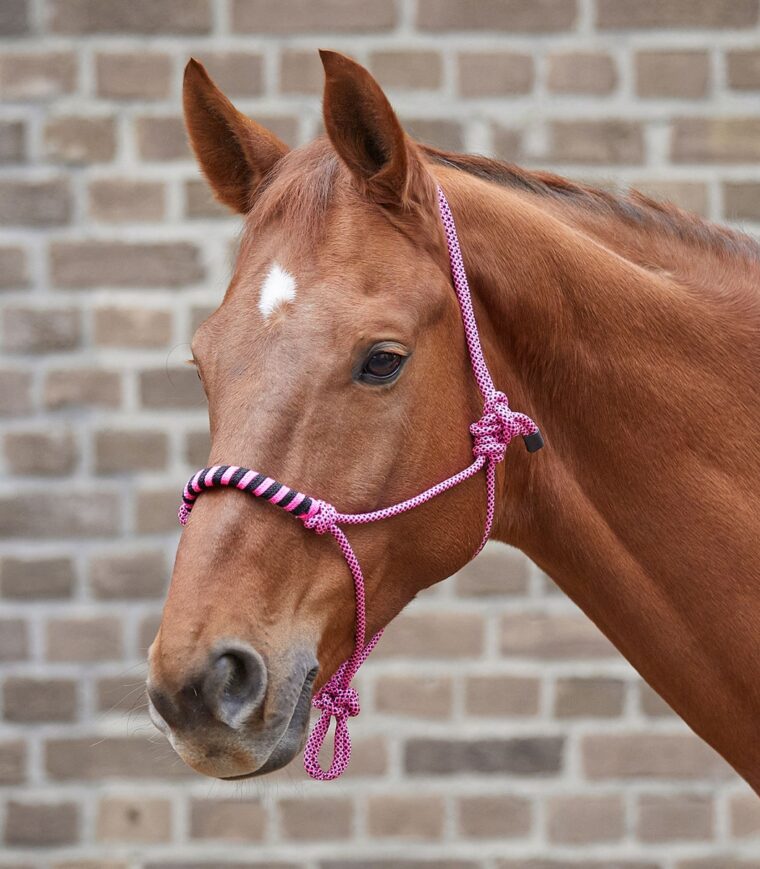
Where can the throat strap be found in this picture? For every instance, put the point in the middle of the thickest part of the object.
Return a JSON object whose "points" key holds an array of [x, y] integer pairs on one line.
{"points": [[492, 434]]}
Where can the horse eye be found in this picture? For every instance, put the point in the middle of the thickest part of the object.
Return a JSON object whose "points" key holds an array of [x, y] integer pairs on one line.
{"points": [[382, 366]]}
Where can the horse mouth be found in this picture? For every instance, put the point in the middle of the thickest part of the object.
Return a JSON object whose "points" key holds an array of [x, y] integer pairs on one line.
{"points": [[293, 737]]}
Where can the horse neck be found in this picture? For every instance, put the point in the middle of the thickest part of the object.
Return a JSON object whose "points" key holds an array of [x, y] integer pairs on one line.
{"points": [[642, 507]]}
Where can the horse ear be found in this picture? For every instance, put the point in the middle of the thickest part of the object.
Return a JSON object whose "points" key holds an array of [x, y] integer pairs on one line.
{"points": [[234, 152], [366, 133]]}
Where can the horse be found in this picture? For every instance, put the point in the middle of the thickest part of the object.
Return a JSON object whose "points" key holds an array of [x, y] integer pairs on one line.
{"points": [[337, 362]]}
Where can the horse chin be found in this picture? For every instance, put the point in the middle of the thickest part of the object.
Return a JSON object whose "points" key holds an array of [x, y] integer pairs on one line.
{"points": [[292, 739]]}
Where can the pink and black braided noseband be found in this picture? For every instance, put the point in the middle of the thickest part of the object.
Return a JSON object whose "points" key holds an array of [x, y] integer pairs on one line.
{"points": [[491, 434]]}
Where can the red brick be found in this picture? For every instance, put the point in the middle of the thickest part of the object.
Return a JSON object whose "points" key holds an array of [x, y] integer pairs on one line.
{"points": [[494, 817], [651, 14], [12, 141], [200, 203], [553, 636], [676, 817], [96, 264], [313, 16], [12, 761], [14, 17], [141, 75], [414, 696], [652, 705], [744, 811], [405, 817], [502, 696], [35, 515], [407, 70], [511, 16], [319, 819], [148, 630], [15, 392], [86, 638], [498, 570], [93, 757], [41, 453], [118, 694], [80, 140], [433, 635], [442, 133], [141, 574], [608, 142], [171, 388], [13, 270], [172, 17], [744, 69], [237, 73], [156, 511], [122, 200], [134, 819], [41, 330], [529, 756], [14, 640], [34, 203], [495, 74], [716, 140], [231, 820], [162, 139], [741, 200], [590, 697], [120, 452], [38, 76], [507, 143], [31, 578], [28, 699], [674, 74], [689, 195], [132, 327], [582, 819], [650, 755], [301, 72], [582, 72], [41, 824], [197, 448], [77, 387]]}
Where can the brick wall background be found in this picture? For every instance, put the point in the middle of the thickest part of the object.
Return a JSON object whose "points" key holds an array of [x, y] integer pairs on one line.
{"points": [[500, 730]]}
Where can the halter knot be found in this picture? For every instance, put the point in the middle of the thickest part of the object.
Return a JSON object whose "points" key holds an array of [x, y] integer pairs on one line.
{"points": [[322, 519], [340, 702], [495, 428]]}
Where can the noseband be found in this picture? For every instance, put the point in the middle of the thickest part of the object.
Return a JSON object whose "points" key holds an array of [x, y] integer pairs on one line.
{"points": [[491, 434]]}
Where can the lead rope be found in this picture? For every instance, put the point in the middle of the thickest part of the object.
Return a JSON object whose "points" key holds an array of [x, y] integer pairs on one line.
{"points": [[491, 434]]}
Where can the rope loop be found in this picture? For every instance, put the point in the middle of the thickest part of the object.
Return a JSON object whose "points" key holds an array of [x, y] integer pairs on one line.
{"points": [[322, 519]]}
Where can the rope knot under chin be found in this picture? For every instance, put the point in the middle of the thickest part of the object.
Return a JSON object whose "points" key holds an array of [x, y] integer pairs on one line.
{"points": [[322, 519], [338, 702]]}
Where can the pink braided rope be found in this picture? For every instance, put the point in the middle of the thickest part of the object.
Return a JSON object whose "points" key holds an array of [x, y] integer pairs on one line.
{"points": [[491, 434]]}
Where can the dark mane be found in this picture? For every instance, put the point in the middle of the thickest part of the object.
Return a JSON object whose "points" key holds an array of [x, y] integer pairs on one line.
{"points": [[304, 182], [631, 206]]}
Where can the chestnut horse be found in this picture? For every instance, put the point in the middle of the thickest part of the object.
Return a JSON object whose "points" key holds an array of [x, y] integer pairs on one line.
{"points": [[337, 363]]}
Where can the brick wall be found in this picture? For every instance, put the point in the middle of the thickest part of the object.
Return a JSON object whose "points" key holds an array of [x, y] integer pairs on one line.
{"points": [[500, 729]]}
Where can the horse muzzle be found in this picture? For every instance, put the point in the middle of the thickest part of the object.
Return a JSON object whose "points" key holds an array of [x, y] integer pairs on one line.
{"points": [[233, 718]]}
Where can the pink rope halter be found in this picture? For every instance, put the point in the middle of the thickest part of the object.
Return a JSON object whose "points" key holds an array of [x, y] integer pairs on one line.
{"points": [[491, 434]]}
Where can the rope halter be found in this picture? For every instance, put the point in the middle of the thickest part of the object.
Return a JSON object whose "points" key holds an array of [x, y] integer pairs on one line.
{"points": [[492, 433]]}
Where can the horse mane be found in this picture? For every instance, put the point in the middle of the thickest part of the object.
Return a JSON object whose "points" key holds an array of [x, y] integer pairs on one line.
{"points": [[302, 185], [631, 206]]}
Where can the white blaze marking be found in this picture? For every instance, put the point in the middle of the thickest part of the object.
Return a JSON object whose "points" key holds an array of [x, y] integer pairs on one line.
{"points": [[278, 287]]}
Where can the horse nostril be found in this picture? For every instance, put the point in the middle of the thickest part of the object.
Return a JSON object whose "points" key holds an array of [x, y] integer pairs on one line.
{"points": [[235, 685]]}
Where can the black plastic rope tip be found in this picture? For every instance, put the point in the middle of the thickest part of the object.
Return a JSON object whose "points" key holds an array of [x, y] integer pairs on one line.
{"points": [[533, 441]]}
